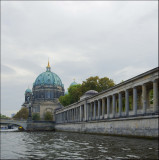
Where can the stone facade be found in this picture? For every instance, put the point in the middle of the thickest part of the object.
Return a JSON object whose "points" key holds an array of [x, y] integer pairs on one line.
{"points": [[142, 126]]}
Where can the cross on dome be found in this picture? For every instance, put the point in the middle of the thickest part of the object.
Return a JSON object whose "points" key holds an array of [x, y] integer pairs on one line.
{"points": [[48, 68]]}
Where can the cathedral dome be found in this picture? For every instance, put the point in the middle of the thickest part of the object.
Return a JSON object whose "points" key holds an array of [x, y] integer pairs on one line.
{"points": [[48, 78], [73, 83], [28, 90]]}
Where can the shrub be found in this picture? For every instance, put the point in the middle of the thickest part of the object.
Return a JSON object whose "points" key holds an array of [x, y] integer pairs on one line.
{"points": [[36, 116], [48, 116]]}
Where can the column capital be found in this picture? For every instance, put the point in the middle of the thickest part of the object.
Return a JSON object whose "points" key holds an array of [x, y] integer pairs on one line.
{"points": [[144, 84], [135, 87], [126, 90]]}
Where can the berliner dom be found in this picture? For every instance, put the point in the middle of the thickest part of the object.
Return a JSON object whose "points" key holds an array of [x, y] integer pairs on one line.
{"points": [[44, 95]]}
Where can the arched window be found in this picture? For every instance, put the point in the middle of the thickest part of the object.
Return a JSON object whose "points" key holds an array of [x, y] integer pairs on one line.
{"points": [[48, 94]]}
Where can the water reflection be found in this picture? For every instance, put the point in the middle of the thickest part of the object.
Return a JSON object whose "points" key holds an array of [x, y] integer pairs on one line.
{"points": [[60, 145]]}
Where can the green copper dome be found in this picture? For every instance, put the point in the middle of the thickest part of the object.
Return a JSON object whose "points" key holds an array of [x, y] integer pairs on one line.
{"points": [[28, 90], [73, 83], [48, 78]]}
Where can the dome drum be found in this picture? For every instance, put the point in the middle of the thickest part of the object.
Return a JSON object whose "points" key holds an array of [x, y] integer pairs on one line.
{"points": [[88, 94]]}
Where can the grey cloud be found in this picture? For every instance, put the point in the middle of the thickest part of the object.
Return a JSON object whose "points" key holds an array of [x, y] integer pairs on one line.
{"points": [[7, 70], [82, 39]]}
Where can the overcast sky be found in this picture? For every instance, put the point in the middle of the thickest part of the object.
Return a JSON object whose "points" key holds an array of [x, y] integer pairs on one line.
{"points": [[115, 39]]}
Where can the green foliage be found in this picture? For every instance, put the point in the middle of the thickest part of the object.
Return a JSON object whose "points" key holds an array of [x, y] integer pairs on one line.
{"points": [[74, 93], [96, 83], [36, 116], [22, 113], [105, 83], [48, 116], [92, 83], [4, 116]]}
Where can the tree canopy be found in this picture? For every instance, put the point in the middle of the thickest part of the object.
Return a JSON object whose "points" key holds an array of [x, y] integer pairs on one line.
{"points": [[22, 113], [4, 116], [92, 83]]}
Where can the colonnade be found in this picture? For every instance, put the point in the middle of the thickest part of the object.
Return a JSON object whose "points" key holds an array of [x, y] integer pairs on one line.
{"points": [[137, 100]]}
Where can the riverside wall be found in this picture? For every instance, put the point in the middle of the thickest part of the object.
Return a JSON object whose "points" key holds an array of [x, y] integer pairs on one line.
{"points": [[40, 126], [141, 126]]}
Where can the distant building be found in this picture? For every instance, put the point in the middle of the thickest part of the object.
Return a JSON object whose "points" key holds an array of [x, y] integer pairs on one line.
{"points": [[44, 95], [72, 84], [12, 115]]}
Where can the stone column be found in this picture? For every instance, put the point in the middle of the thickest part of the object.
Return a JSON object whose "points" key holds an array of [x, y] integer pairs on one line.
{"points": [[76, 114], [144, 98], [67, 116], [114, 105], [80, 113], [135, 100], [120, 104], [108, 107], [63, 117], [90, 111], [155, 95], [103, 108], [98, 109], [127, 102], [71, 115], [86, 111], [94, 109]]}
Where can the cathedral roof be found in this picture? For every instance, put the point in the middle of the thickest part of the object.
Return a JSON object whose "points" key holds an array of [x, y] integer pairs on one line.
{"points": [[73, 83], [28, 90], [48, 78]]}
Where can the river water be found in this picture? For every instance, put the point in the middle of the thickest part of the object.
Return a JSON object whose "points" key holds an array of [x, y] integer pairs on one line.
{"points": [[63, 145]]}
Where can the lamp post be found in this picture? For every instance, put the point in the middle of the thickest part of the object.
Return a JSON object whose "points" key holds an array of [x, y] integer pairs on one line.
{"points": [[29, 106]]}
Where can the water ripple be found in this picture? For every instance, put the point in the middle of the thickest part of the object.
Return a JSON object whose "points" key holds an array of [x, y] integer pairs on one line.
{"points": [[60, 145]]}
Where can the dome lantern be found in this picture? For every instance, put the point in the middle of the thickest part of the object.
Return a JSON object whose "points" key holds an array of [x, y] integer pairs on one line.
{"points": [[48, 68]]}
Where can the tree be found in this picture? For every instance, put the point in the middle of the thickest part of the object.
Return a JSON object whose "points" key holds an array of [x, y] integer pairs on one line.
{"points": [[105, 83], [92, 83], [65, 100], [48, 116], [4, 116], [74, 94], [22, 113], [96, 83], [36, 116]]}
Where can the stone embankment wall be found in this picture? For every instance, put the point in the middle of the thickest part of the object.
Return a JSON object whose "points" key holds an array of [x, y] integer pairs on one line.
{"points": [[144, 126], [40, 126]]}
